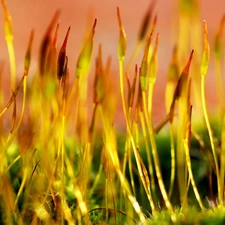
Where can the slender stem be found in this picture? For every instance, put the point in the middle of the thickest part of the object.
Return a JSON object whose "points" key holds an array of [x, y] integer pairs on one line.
{"points": [[119, 172], [97, 179], [173, 166], [62, 166], [106, 199], [130, 159], [222, 159], [149, 158], [180, 152], [131, 137], [12, 61], [211, 138], [188, 160], [148, 116], [23, 104], [14, 132]]}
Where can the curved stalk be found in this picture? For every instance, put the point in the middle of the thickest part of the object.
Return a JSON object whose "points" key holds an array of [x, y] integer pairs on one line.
{"points": [[204, 69], [211, 138], [149, 158], [173, 166], [131, 137], [188, 160]]}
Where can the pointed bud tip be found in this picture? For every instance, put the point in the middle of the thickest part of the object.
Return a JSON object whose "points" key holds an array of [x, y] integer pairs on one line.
{"points": [[95, 22], [190, 59], [118, 16]]}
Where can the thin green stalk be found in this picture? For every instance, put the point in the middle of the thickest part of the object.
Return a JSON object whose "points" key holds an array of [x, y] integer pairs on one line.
{"points": [[115, 161], [186, 142], [130, 160], [149, 158], [125, 160], [13, 132], [131, 136], [211, 139], [188, 160], [12, 60], [173, 166], [113, 200], [180, 153], [97, 179], [8, 28], [126, 117], [222, 159], [60, 156], [148, 117], [147, 78], [62, 166], [121, 57], [82, 210], [22, 185], [204, 69], [106, 199]]}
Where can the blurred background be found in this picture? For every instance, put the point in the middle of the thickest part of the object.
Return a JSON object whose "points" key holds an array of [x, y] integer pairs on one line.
{"points": [[36, 14]]}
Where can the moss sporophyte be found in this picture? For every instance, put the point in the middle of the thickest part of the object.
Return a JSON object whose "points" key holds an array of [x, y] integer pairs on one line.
{"points": [[64, 162]]}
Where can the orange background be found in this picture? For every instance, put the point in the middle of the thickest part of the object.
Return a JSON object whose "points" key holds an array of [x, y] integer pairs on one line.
{"points": [[36, 14]]}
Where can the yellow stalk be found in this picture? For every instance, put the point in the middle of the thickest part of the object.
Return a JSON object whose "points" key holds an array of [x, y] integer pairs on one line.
{"points": [[180, 153], [114, 158], [180, 95], [23, 183], [222, 159], [97, 178], [62, 166], [148, 116], [173, 76], [211, 138], [204, 68], [13, 132], [152, 70], [81, 73], [173, 161], [130, 161], [150, 163], [186, 142], [9, 40], [130, 133], [188, 160], [121, 56], [106, 198], [131, 136]]}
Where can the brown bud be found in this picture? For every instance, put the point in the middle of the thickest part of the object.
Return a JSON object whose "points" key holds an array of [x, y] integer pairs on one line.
{"points": [[61, 64], [146, 21], [28, 54], [46, 43]]}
